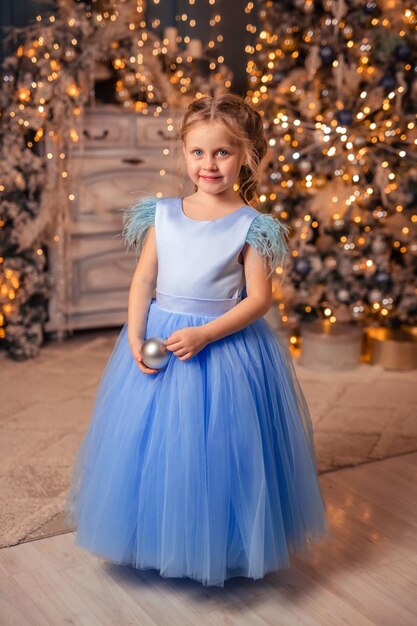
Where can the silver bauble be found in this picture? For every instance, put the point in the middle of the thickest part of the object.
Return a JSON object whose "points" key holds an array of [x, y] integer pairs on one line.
{"points": [[69, 53], [378, 245], [122, 94], [304, 166], [343, 295], [328, 5], [374, 295], [330, 262], [129, 79], [154, 354], [358, 310], [347, 31]]}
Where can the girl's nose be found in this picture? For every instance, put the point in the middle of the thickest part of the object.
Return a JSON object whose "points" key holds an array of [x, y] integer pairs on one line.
{"points": [[209, 163]]}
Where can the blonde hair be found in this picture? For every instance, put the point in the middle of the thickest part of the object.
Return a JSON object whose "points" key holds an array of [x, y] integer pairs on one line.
{"points": [[244, 125]]}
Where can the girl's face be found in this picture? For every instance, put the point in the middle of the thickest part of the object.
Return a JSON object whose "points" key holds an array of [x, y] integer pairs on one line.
{"points": [[213, 159]]}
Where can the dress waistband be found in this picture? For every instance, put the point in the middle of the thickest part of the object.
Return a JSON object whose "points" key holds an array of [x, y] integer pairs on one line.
{"points": [[195, 306]]}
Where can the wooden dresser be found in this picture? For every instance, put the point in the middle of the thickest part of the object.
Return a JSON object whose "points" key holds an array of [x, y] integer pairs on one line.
{"points": [[124, 156]]}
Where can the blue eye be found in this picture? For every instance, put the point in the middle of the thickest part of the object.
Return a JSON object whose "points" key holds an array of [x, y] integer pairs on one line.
{"points": [[222, 152]]}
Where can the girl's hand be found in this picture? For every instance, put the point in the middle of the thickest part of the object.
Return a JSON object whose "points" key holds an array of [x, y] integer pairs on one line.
{"points": [[186, 342], [135, 348]]}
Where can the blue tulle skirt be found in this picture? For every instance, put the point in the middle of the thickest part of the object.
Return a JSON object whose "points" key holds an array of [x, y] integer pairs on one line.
{"points": [[204, 470]]}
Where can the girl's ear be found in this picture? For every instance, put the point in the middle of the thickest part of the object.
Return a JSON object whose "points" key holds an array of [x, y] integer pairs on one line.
{"points": [[184, 151]]}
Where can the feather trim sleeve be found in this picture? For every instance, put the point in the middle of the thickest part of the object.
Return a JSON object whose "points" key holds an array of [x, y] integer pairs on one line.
{"points": [[137, 219], [268, 236]]}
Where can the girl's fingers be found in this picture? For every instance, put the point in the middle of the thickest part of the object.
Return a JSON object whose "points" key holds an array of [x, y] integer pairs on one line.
{"points": [[145, 368], [173, 344], [141, 365]]}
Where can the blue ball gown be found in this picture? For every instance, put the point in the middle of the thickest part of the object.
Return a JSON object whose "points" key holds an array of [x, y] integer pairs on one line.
{"points": [[206, 469]]}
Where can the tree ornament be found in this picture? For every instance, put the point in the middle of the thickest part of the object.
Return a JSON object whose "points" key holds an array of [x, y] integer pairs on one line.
{"points": [[326, 54], [329, 5], [382, 278], [289, 43], [302, 266], [359, 141], [358, 266], [402, 52], [378, 245], [343, 295], [371, 8], [389, 82], [375, 295], [277, 77], [70, 53], [304, 166], [358, 310], [122, 94], [330, 262], [129, 79], [154, 353], [344, 117], [347, 31]]}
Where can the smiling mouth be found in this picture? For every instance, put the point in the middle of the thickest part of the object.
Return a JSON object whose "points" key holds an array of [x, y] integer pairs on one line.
{"points": [[210, 177]]}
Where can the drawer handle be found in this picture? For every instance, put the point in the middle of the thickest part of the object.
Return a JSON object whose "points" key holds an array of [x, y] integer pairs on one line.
{"points": [[169, 137], [96, 137], [132, 161]]}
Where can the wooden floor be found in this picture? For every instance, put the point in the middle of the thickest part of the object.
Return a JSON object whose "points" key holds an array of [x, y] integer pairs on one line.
{"points": [[366, 574]]}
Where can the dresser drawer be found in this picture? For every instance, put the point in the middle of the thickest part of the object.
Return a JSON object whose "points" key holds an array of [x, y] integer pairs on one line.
{"points": [[157, 132], [102, 196], [106, 131]]}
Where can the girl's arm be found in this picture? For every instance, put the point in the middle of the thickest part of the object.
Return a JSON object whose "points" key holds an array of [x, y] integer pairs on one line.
{"points": [[256, 304], [140, 295]]}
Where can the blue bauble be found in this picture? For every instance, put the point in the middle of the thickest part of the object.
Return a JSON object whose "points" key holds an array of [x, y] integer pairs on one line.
{"points": [[277, 77], [344, 117], [388, 81], [382, 278], [371, 7], [326, 54], [402, 52], [302, 266]]}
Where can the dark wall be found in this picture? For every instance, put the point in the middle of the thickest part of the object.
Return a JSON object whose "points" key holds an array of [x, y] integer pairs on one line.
{"points": [[21, 12]]}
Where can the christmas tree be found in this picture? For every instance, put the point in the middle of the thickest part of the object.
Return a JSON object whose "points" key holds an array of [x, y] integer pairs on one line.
{"points": [[336, 83]]}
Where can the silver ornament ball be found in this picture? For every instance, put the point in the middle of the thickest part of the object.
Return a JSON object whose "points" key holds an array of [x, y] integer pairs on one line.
{"points": [[304, 166], [154, 354], [375, 295], [343, 295], [378, 245], [330, 262]]}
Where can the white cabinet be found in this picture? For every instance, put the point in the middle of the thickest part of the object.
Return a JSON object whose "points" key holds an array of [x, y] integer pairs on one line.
{"points": [[121, 159]]}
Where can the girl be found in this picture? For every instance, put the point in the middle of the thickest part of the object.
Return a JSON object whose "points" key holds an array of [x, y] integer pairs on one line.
{"points": [[204, 468]]}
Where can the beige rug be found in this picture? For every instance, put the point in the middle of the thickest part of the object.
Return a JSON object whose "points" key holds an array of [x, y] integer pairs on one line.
{"points": [[46, 404]]}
